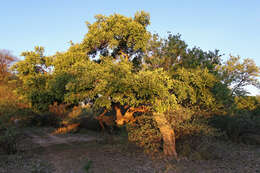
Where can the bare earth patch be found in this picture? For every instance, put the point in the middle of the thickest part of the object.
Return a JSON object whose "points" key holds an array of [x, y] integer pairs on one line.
{"points": [[92, 152]]}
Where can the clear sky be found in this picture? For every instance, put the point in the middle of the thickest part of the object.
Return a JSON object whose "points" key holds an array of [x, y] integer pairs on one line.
{"points": [[232, 26]]}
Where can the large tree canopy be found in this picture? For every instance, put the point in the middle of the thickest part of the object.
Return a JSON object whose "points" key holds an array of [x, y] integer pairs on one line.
{"points": [[124, 69], [112, 85], [117, 35]]}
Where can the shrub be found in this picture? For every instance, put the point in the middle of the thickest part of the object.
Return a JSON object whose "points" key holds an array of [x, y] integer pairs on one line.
{"points": [[195, 127], [189, 130], [145, 134], [234, 126], [194, 138]]}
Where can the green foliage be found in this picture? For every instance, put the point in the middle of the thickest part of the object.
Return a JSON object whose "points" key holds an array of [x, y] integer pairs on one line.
{"points": [[62, 61], [114, 82], [165, 53], [32, 72], [192, 87], [173, 52], [246, 104], [57, 87], [234, 126], [189, 131], [116, 34], [40, 100], [145, 133], [142, 17], [40, 87], [222, 94], [237, 75], [195, 127], [196, 57]]}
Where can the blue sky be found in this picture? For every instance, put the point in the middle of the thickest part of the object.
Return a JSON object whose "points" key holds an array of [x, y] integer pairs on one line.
{"points": [[232, 26]]}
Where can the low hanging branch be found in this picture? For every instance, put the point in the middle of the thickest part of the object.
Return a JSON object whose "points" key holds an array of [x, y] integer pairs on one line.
{"points": [[129, 114], [120, 118], [108, 120]]}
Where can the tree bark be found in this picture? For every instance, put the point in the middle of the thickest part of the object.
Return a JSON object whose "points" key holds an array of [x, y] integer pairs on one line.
{"points": [[128, 115], [119, 116], [167, 134]]}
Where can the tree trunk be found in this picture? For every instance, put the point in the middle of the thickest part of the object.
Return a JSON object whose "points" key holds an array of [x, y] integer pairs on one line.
{"points": [[167, 134], [119, 116], [128, 116]]}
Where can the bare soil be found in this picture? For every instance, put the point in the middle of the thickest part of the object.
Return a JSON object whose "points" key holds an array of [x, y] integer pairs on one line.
{"points": [[44, 152]]}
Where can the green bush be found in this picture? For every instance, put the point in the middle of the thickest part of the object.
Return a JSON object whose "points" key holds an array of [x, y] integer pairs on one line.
{"points": [[196, 126], [234, 126], [194, 138], [145, 134], [189, 130]]}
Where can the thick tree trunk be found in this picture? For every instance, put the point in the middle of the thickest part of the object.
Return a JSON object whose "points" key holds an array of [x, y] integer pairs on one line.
{"points": [[167, 134], [119, 116]]}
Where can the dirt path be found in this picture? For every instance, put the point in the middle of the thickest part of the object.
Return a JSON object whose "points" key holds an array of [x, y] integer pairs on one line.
{"points": [[47, 139], [72, 153]]}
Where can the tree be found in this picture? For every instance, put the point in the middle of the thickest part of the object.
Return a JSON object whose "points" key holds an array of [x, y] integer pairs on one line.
{"points": [[173, 53], [117, 35], [108, 68], [113, 86], [34, 74], [237, 75], [6, 60], [165, 53]]}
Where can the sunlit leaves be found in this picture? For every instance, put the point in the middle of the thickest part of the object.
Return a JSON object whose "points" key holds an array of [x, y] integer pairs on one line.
{"points": [[193, 87], [237, 75], [111, 34], [115, 82]]}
